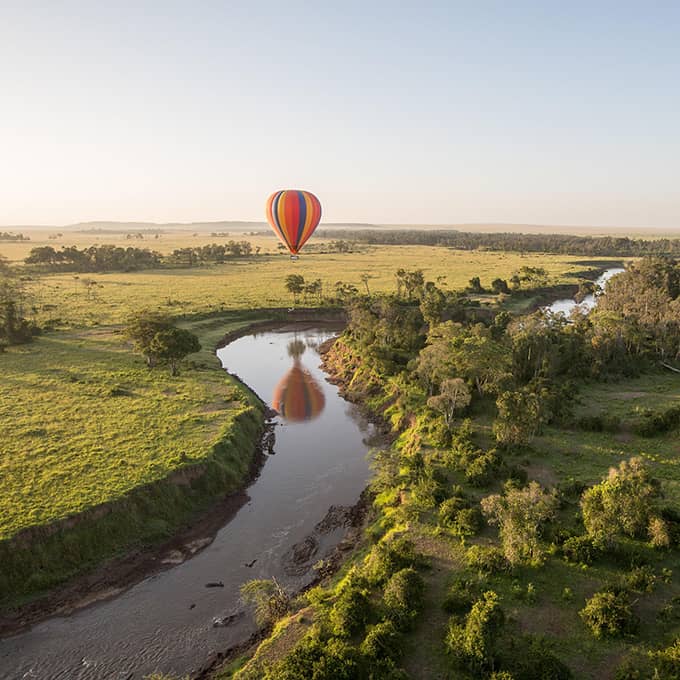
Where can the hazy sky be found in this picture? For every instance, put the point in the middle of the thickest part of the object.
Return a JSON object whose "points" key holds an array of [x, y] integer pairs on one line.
{"points": [[429, 112]]}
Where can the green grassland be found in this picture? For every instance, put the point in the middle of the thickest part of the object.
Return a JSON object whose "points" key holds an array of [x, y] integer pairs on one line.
{"points": [[259, 281], [87, 423]]}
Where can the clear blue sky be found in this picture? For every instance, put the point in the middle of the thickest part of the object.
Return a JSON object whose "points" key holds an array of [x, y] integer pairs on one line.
{"points": [[542, 112]]}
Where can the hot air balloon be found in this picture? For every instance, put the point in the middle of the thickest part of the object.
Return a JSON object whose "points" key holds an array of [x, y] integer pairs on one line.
{"points": [[298, 397], [293, 215]]}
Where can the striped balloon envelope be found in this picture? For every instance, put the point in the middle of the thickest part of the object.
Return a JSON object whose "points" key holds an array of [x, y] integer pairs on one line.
{"points": [[298, 396], [293, 215]]}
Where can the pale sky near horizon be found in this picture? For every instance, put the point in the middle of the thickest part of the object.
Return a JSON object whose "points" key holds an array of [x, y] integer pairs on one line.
{"points": [[430, 112]]}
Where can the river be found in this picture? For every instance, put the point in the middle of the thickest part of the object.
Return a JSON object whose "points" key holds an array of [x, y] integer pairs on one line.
{"points": [[165, 623], [566, 305]]}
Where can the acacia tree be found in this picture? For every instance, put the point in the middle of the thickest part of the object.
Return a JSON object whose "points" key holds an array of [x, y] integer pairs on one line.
{"points": [[156, 337], [519, 515], [295, 284], [365, 278], [172, 345], [141, 329], [454, 396]]}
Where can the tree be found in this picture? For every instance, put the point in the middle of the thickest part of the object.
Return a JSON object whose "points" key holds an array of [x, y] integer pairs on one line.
{"points": [[500, 286], [519, 515], [454, 396], [623, 503], [141, 329], [295, 284], [172, 345], [14, 328], [432, 304], [365, 278], [473, 643], [609, 614], [270, 600], [475, 285], [520, 417]]}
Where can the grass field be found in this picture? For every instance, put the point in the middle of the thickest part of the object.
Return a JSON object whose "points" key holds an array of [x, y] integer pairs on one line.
{"points": [[83, 414], [260, 281]]}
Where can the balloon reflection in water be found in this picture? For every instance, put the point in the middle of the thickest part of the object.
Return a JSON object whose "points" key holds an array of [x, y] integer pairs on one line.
{"points": [[298, 396]]}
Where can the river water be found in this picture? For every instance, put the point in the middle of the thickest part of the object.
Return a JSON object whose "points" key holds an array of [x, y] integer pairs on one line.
{"points": [[165, 623], [566, 305]]}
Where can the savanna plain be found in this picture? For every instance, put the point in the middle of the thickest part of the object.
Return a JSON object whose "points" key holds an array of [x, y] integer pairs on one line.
{"points": [[524, 519]]}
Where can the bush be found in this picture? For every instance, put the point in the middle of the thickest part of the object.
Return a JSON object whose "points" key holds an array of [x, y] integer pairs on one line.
{"points": [[640, 579], [621, 504], [482, 469], [450, 507], [382, 641], [603, 422], [320, 659], [486, 559], [467, 523], [580, 550], [459, 597], [609, 615], [659, 534], [472, 644], [351, 611], [667, 661], [520, 514], [403, 597], [388, 557]]}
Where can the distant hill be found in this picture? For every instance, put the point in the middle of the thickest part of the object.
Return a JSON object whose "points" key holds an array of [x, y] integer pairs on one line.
{"points": [[113, 227]]}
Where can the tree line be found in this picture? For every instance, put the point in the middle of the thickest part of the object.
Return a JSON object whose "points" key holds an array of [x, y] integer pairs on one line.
{"points": [[561, 244], [10, 236], [105, 258]]}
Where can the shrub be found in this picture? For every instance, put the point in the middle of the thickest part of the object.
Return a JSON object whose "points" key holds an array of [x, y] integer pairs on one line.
{"points": [[519, 514], [480, 471], [473, 643], [459, 597], [382, 641], [609, 615], [621, 504], [580, 550], [320, 659], [640, 579], [403, 597], [659, 534], [388, 557], [667, 661], [450, 507], [467, 523], [603, 422], [350, 612], [271, 602], [486, 559]]}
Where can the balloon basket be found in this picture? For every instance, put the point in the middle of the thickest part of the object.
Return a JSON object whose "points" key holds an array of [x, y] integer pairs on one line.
{"points": [[294, 257]]}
